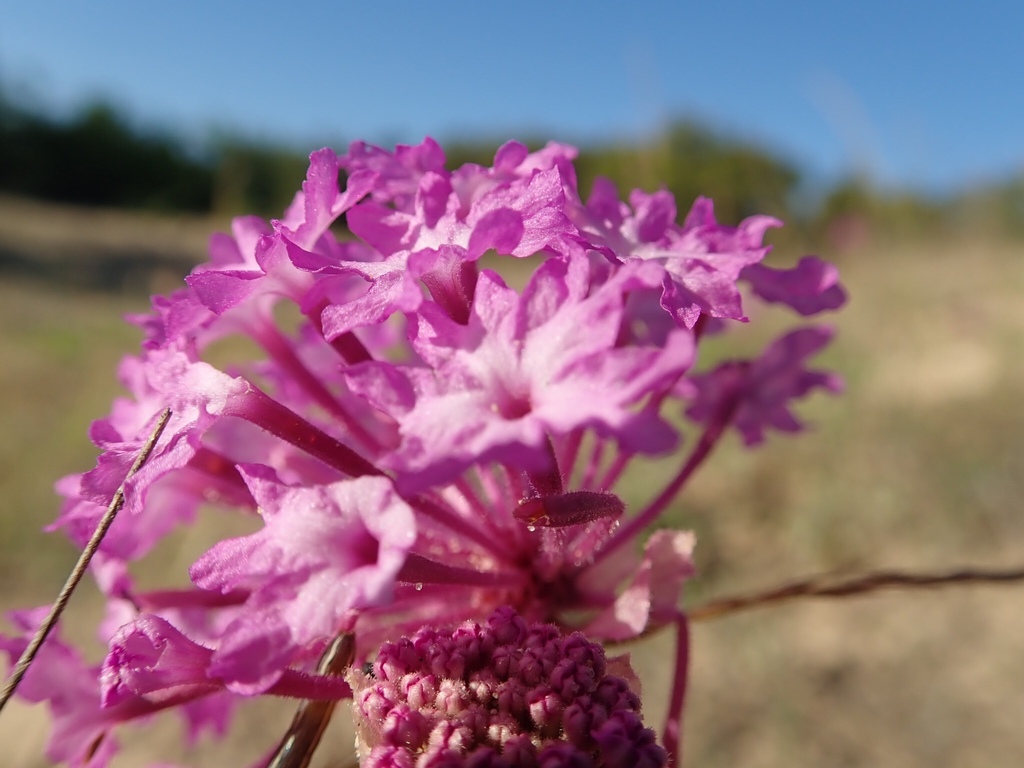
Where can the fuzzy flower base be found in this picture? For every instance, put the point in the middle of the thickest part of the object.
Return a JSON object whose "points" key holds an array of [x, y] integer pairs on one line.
{"points": [[506, 694]]}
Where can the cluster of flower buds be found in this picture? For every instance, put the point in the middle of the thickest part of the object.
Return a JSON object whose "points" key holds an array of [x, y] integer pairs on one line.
{"points": [[505, 693], [421, 442]]}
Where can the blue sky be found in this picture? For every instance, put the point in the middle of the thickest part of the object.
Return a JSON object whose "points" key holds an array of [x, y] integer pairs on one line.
{"points": [[921, 94]]}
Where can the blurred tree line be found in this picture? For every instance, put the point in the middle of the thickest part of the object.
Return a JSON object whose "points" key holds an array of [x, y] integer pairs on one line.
{"points": [[97, 158]]}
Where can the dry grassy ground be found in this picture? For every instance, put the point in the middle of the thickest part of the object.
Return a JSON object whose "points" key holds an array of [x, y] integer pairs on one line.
{"points": [[920, 464]]}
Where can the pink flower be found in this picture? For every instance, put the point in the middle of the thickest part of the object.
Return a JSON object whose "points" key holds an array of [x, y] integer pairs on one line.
{"points": [[423, 445], [755, 395], [812, 286], [521, 370], [323, 552], [701, 259]]}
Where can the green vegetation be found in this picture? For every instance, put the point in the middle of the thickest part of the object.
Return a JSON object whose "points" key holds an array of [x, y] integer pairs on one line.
{"points": [[97, 159]]}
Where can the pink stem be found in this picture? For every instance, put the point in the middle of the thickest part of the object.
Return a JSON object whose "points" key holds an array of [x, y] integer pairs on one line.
{"points": [[570, 452], [281, 351], [421, 570], [217, 475], [477, 505], [672, 736], [265, 412], [448, 518], [163, 599], [593, 465], [700, 452], [615, 470], [348, 345]]}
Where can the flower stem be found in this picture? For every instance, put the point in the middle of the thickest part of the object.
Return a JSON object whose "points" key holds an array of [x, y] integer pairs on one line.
{"points": [[268, 414], [673, 720], [700, 452], [281, 351]]}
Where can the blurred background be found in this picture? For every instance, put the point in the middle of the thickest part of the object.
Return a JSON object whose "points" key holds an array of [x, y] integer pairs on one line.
{"points": [[889, 137]]}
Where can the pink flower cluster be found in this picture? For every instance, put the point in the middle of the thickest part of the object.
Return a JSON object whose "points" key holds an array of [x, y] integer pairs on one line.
{"points": [[422, 443]]}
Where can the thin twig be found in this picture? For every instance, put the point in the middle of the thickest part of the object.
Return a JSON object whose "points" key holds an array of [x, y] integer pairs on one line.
{"points": [[825, 586], [80, 567]]}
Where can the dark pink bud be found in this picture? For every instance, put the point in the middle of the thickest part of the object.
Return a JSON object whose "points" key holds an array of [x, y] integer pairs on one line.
{"points": [[405, 727], [510, 697], [621, 739], [477, 719], [472, 644], [572, 680], [419, 690], [541, 635], [482, 757], [519, 750], [453, 697], [581, 718], [562, 755], [614, 693], [584, 652], [396, 660], [537, 664], [388, 757], [505, 662], [507, 626], [378, 700]]}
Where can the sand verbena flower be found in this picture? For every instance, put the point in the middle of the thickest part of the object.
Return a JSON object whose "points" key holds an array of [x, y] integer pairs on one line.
{"points": [[425, 447]]}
